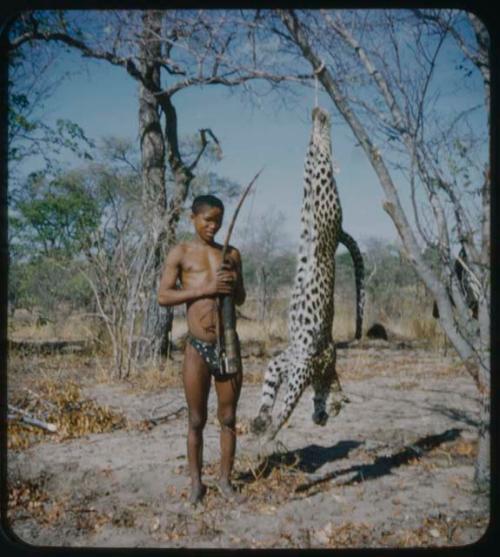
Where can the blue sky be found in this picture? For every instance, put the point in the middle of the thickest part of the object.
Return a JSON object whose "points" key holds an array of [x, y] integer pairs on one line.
{"points": [[102, 99]]}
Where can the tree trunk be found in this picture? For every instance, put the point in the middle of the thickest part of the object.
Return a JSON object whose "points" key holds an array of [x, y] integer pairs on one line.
{"points": [[483, 463], [482, 468], [157, 320], [157, 326]]}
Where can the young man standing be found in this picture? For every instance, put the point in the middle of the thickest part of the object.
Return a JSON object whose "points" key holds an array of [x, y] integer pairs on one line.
{"points": [[203, 275]]}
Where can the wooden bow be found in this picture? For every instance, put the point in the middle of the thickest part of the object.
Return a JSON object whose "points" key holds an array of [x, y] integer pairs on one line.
{"points": [[229, 355]]}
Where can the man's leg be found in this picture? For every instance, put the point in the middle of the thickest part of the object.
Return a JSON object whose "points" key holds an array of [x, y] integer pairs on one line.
{"points": [[196, 379], [228, 391]]}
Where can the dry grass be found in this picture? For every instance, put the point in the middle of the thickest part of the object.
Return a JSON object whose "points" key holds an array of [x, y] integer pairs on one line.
{"points": [[25, 326], [28, 499], [407, 317], [269, 482], [432, 532], [60, 404], [412, 322], [151, 378], [458, 450], [269, 332]]}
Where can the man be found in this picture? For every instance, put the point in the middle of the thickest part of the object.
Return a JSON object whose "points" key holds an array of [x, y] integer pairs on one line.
{"points": [[198, 266]]}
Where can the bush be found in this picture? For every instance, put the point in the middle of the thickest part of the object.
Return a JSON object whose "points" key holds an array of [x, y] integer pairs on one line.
{"points": [[48, 284]]}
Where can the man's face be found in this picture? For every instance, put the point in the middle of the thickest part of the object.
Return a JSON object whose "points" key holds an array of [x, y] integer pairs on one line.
{"points": [[207, 222]]}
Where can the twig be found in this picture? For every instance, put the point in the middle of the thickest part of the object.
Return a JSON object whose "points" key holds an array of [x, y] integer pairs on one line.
{"points": [[156, 408], [166, 417], [31, 420]]}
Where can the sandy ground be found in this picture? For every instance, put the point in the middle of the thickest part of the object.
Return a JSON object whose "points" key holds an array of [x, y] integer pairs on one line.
{"points": [[394, 468]]}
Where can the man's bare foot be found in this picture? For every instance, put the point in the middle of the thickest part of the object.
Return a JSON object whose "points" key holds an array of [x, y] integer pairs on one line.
{"points": [[228, 491], [197, 493]]}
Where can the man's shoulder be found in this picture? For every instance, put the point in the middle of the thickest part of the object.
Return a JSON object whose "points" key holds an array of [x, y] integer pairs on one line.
{"points": [[178, 250]]}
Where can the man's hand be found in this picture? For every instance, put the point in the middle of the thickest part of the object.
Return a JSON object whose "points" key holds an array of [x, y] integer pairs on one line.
{"points": [[224, 281]]}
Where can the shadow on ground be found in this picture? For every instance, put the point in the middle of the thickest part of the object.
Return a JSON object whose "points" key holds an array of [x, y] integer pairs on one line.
{"points": [[383, 465], [308, 460], [311, 458]]}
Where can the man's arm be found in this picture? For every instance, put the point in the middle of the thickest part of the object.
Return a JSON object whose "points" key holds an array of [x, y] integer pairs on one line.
{"points": [[169, 295]]}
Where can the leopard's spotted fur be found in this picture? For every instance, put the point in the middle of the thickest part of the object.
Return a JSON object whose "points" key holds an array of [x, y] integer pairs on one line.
{"points": [[310, 356]]}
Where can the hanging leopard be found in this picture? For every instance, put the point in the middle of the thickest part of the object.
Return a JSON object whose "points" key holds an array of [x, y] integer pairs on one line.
{"points": [[311, 353]]}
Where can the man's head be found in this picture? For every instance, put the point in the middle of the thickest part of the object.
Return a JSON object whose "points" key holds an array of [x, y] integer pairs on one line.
{"points": [[207, 212], [204, 201]]}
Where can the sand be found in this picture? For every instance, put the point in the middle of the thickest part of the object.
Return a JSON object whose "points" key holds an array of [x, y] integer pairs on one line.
{"points": [[394, 468]]}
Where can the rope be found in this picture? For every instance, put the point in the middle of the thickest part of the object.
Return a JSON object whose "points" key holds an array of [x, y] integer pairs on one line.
{"points": [[316, 82], [317, 71]]}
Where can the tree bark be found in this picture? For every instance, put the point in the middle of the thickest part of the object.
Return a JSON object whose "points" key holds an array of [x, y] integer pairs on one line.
{"points": [[157, 320], [156, 146], [483, 459]]}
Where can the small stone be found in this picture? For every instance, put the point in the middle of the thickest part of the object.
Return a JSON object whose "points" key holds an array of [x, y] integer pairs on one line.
{"points": [[322, 535], [434, 533]]}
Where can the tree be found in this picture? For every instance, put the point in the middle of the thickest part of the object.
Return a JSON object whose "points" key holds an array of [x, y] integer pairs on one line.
{"points": [[50, 223], [53, 217], [52, 287], [268, 263], [119, 256], [34, 281], [30, 82], [363, 63], [165, 53]]}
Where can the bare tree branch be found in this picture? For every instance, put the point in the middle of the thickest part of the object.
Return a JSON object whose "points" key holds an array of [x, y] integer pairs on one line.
{"points": [[392, 205]]}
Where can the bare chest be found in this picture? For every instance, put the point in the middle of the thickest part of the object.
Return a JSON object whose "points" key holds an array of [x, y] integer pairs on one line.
{"points": [[200, 264]]}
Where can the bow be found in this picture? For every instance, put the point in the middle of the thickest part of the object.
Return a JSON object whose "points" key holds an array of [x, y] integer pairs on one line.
{"points": [[229, 354]]}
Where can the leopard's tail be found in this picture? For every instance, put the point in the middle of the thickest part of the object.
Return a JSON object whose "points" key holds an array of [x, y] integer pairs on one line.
{"points": [[359, 273]]}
